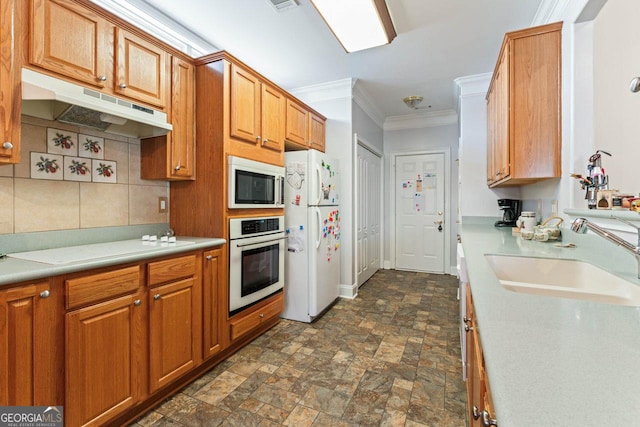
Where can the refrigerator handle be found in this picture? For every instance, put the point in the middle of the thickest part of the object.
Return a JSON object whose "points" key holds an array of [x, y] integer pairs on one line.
{"points": [[319, 174], [319, 228]]}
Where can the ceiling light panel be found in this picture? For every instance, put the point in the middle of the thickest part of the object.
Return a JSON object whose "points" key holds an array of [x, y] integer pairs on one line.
{"points": [[357, 24]]}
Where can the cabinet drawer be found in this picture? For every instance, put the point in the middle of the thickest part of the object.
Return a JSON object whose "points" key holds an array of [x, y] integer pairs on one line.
{"points": [[98, 287], [171, 269], [251, 321]]}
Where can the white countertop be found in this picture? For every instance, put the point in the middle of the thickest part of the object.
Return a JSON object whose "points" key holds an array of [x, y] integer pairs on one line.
{"points": [[553, 361], [32, 265]]}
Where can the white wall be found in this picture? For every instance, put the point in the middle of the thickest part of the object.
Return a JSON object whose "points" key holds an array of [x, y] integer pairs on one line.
{"points": [[366, 128], [422, 139], [616, 60], [476, 198]]}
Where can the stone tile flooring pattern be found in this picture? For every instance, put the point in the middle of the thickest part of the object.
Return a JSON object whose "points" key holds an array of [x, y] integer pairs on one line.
{"points": [[390, 357]]}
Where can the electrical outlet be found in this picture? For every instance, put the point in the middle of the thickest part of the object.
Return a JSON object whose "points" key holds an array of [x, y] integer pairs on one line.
{"points": [[162, 204], [554, 208]]}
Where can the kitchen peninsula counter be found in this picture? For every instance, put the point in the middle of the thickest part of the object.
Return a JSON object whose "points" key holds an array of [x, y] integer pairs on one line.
{"points": [[15, 270], [554, 361]]}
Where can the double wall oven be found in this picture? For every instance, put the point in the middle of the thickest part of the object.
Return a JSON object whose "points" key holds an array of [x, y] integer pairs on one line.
{"points": [[256, 260]]}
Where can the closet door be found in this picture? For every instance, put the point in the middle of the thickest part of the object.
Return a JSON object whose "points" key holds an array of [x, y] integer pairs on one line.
{"points": [[369, 218]]}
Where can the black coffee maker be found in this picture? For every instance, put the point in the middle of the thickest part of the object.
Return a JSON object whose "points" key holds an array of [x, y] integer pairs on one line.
{"points": [[510, 212]]}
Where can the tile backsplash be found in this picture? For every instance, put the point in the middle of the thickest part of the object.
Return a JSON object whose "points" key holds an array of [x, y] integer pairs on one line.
{"points": [[108, 193]]}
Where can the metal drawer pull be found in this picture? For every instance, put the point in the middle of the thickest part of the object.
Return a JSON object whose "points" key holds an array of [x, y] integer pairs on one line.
{"points": [[123, 86], [102, 78], [487, 421], [209, 257], [476, 413], [7, 145], [137, 302], [261, 315], [45, 294], [157, 297]]}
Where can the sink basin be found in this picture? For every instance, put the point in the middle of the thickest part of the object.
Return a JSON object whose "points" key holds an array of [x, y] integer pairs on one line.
{"points": [[563, 278]]}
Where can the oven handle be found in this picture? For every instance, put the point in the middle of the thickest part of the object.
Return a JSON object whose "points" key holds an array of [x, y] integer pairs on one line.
{"points": [[242, 245]]}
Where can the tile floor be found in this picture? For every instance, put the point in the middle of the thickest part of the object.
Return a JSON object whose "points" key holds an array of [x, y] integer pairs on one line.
{"points": [[390, 357]]}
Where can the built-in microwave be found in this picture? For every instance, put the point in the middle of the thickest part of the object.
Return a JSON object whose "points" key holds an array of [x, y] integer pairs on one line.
{"points": [[255, 184]]}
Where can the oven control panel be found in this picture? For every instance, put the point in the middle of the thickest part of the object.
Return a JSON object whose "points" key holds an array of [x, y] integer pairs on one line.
{"points": [[246, 227]]}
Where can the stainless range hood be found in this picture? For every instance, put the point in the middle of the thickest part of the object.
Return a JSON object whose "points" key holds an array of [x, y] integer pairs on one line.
{"points": [[50, 98]]}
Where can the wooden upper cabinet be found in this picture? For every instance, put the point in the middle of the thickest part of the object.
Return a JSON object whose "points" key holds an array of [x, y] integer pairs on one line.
{"points": [[245, 105], [297, 123], [142, 69], [305, 129], [524, 108], [316, 132], [172, 156], [273, 111], [10, 99], [183, 101], [70, 40]]}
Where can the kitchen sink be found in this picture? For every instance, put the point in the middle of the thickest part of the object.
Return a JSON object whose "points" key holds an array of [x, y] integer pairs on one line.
{"points": [[563, 278]]}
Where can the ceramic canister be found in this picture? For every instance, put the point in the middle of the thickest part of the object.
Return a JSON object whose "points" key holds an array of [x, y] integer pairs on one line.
{"points": [[527, 221]]}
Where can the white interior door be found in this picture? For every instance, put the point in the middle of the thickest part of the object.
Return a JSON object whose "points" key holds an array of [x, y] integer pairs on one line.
{"points": [[369, 180], [419, 205]]}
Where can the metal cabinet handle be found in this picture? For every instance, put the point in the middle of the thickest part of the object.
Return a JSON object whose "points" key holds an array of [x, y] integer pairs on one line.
{"points": [[265, 141], [468, 328], [178, 167], [7, 145], [123, 86], [487, 421], [209, 257], [157, 297], [476, 413], [261, 315], [258, 138], [137, 302], [466, 319], [102, 78], [45, 294]]}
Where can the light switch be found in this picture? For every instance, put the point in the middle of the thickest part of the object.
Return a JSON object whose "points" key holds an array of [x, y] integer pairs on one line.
{"points": [[162, 205]]}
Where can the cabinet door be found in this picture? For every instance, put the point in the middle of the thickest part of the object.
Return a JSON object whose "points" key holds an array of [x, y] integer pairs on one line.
{"points": [[142, 69], [297, 123], [251, 319], [274, 106], [9, 86], [70, 40], [501, 150], [213, 278], [245, 105], [104, 354], [183, 119], [173, 344], [316, 132], [30, 355]]}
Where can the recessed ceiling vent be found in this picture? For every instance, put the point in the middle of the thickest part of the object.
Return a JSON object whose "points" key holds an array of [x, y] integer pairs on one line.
{"points": [[282, 5]]}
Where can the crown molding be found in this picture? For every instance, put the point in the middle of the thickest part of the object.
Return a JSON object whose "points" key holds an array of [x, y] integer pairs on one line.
{"points": [[421, 120], [323, 92], [159, 25], [473, 85], [365, 101]]}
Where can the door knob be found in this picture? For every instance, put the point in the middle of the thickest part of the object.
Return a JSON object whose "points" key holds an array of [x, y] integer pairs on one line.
{"points": [[438, 222]]}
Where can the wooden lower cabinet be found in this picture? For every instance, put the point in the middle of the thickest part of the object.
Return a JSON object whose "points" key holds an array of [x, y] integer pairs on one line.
{"points": [[31, 328], [174, 342], [479, 403], [213, 278], [105, 353], [252, 318]]}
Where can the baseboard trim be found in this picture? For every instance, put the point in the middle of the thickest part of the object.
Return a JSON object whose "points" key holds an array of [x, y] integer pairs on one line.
{"points": [[348, 291]]}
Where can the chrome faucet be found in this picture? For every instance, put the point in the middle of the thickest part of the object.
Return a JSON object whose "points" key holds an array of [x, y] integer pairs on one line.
{"points": [[581, 225]]}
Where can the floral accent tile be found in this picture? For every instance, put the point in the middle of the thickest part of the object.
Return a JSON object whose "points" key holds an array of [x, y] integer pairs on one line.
{"points": [[77, 169], [90, 146], [105, 171], [62, 142], [46, 166]]}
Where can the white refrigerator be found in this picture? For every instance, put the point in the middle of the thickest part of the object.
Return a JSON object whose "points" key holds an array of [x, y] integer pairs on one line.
{"points": [[312, 225]]}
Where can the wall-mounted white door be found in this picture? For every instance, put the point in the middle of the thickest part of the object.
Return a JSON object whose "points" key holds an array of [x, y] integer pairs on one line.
{"points": [[368, 212], [420, 227]]}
